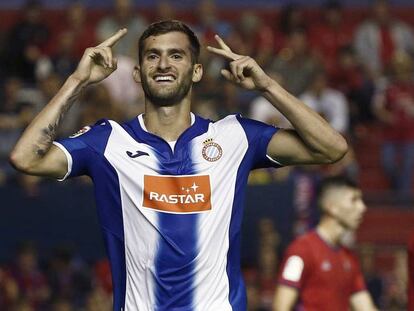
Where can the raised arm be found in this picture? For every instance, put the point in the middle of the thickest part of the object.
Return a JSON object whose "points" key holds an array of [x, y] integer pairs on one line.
{"points": [[34, 152], [312, 141]]}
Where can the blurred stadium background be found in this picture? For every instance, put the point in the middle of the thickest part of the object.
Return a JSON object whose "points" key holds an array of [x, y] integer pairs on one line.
{"points": [[351, 60]]}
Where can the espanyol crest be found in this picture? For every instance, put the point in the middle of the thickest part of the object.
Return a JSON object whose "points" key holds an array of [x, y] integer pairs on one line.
{"points": [[211, 150]]}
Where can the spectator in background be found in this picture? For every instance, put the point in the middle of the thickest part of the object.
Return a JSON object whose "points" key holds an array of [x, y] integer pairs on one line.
{"points": [[26, 42], [349, 78], [378, 38], [31, 281], [102, 276], [262, 110], [123, 90], [98, 300], [319, 273], [394, 107], [373, 279], [22, 305], [209, 23], [261, 279], [98, 104], [62, 61], [124, 16], [15, 114], [332, 106], [256, 38], [9, 292], [62, 305], [121, 86], [290, 19], [76, 24], [80, 27], [164, 10], [296, 57], [329, 103], [330, 35], [69, 278]]}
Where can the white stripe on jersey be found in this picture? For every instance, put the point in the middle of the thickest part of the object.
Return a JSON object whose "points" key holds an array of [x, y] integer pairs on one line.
{"points": [[212, 284], [139, 233]]}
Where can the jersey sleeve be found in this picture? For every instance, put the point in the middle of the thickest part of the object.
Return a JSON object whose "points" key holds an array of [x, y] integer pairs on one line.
{"points": [[259, 135], [84, 148], [295, 266]]}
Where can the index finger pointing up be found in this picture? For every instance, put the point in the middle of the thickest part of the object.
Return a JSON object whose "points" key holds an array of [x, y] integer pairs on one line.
{"points": [[224, 49], [111, 41], [222, 44]]}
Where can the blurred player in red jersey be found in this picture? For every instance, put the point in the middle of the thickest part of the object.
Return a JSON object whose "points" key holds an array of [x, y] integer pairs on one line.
{"points": [[318, 273]]}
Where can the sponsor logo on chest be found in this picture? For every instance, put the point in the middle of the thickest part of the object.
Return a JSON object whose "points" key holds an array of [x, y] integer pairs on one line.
{"points": [[177, 194]]}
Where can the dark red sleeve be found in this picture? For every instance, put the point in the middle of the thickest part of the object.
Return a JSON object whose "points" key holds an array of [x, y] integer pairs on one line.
{"points": [[295, 265]]}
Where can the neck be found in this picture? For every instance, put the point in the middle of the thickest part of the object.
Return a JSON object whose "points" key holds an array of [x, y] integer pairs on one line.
{"points": [[330, 230], [167, 122]]}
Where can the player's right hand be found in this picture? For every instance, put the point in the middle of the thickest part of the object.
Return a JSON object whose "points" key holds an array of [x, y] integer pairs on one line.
{"points": [[97, 62]]}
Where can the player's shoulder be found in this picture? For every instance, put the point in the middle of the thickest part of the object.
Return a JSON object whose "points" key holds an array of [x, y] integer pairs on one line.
{"points": [[302, 243], [94, 136], [247, 124], [230, 119], [99, 128]]}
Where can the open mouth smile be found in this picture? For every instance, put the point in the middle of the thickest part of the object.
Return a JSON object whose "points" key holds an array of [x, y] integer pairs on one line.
{"points": [[164, 78]]}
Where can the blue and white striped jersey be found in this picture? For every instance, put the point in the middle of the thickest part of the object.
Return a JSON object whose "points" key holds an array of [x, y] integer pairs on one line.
{"points": [[171, 218]]}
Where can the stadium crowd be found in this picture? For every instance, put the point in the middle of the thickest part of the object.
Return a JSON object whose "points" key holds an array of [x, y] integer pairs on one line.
{"points": [[354, 75]]}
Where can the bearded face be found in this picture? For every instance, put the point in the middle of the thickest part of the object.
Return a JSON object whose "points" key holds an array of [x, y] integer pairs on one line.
{"points": [[166, 87], [167, 71]]}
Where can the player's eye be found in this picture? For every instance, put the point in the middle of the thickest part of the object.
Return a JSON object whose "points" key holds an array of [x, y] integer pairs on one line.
{"points": [[177, 56], [152, 56]]}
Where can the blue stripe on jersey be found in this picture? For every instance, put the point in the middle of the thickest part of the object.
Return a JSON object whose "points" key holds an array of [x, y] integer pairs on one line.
{"points": [[258, 136], [109, 206], [110, 216], [178, 242], [177, 246]]}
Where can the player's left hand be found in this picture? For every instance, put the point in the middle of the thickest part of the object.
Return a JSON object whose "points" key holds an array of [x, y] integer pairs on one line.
{"points": [[244, 70]]}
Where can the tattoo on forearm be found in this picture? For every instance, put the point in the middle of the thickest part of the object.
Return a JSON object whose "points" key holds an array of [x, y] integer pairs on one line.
{"points": [[48, 133]]}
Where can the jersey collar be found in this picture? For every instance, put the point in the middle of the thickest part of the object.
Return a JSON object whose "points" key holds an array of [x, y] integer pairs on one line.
{"points": [[140, 133]]}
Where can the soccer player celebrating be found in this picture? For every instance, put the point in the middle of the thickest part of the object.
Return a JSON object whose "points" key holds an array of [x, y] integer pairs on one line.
{"points": [[317, 272], [169, 184]]}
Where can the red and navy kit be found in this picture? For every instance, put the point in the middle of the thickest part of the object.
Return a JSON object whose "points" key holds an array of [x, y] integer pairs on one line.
{"points": [[325, 276]]}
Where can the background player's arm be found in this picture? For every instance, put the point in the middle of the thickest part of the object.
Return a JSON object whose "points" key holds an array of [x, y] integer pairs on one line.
{"points": [[313, 140], [285, 298], [34, 153], [362, 301]]}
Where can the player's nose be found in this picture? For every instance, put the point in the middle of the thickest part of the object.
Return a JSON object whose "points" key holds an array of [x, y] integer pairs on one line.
{"points": [[362, 207], [163, 63]]}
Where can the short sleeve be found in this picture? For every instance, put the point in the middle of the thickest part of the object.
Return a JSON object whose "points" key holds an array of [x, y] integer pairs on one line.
{"points": [[295, 266], [84, 148], [259, 135]]}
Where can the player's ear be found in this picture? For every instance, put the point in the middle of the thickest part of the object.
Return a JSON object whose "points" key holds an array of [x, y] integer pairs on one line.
{"points": [[137, 74], [197, 72]]}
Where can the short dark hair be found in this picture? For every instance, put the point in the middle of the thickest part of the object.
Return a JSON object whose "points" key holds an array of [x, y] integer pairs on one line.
{"points": [[163, 27], [334, 182]]}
